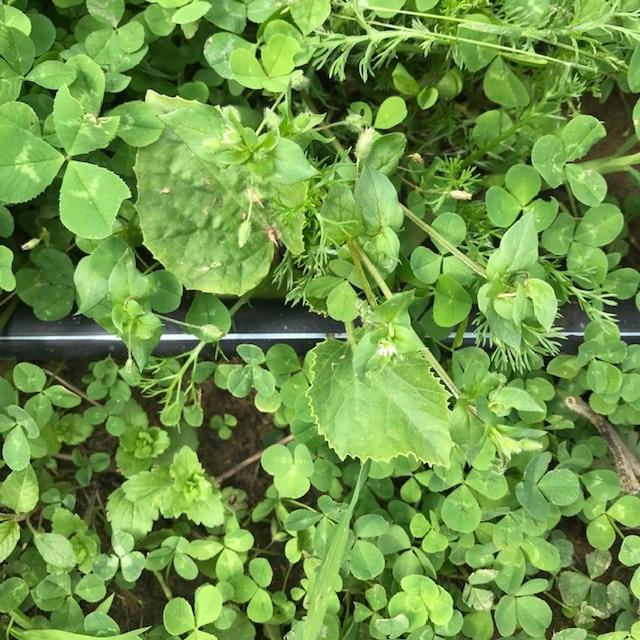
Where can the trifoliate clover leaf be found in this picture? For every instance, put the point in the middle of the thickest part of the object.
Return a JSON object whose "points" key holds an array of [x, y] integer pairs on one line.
{"points": [[28, 164], [291, 472]]}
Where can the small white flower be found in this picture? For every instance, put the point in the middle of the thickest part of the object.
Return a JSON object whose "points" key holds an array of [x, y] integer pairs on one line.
{"points": [[386, 348]]}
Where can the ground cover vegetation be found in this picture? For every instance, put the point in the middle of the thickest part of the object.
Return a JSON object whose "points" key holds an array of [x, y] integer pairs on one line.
{"points": [[419, 170]]}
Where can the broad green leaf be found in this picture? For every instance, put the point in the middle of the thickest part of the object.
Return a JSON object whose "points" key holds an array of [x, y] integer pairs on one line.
{"points": [[342, 303], [55, 550], [290, 165], [29, 377], [426, 264], [505, 616], [246, 69], [52, 74], [208, 605], [278, 55], [523, 181], [560, 486], [90, 199], [518, 248], [366, 560], [476, 56], [17, 49], [9, 536], [20, 115], [391, 113], [89, 86], [600, 533], [19, 491], [587, 185], [28, 164], [191, 12], [48, 286], [309, 14], [13, 17], [139, 125], [108, 11], [402, 398], [91, 277], [588, 265], [548, 157], [7, 279], [502, 86], [178, 617], [166, 291], [461, 511], [13, 592], [558, 236], [135, 517], [219, 48], [534, 615], [634, 585], [600, 225], [377, 200], [16, 451], [626, 511], [629, 554], [211, 314], [190, 215], [633, 76], [260, 607], [545, 302], [452, 303], [502, 207], [339, 215], [80, 132], [580, 134]]}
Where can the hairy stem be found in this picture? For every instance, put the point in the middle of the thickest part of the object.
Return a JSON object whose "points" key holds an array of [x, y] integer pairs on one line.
{"points": [[247, 462], [364, 281], [450, 247], [612, 164], [72, 387], [163, 585], [627, 465], [371, 268], [434, 363]]}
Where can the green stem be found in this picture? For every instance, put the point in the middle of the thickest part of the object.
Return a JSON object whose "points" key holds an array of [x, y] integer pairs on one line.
{"points": [[239, 303], [434, 363], [72, 388], [440, 239], [7, 312], [375, 274], [554, 599], [612, 164], [364, 281], [163, 585], [349, 329], [617, 529], [441, 371]]}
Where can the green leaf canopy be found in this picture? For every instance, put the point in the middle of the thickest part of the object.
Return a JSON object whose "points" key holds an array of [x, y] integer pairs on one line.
{"points": [[397, 410], [191, 210]]}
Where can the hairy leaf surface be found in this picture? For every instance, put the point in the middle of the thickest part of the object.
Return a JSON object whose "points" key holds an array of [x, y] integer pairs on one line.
{"points": [[398, 410]]}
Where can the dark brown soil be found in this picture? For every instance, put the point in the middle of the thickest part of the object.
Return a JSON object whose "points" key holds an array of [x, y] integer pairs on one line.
{"points": [[249, 437]]}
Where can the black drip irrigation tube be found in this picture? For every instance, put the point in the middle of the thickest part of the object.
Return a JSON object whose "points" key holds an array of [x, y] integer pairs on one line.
{"points": [[263, 323]]}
